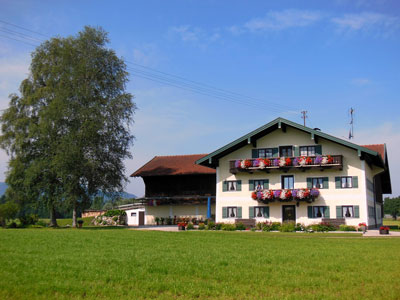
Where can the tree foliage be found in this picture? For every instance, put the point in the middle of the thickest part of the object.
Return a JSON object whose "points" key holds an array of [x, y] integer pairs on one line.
{"points": [[68, 131], [392, 206]]}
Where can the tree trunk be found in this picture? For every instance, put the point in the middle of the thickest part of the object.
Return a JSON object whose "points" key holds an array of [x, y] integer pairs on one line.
{"points": [[74, 223], [53, 220]]}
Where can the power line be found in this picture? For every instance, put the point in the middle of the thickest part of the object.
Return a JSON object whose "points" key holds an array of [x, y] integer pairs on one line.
{"points": [[166, 78]]}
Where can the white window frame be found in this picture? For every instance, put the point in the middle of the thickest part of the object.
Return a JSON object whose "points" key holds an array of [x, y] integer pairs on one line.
{"points": [[231, 183], [319, 185], [266, 151], [344, 211], [283, 182], [258, 181], [346, 182], [231, 209], [308, 151], [318, 208], [261, 210]]}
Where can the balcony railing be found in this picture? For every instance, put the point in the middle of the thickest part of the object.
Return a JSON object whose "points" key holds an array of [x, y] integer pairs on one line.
{"points": [[267, 196], [286, 163]]}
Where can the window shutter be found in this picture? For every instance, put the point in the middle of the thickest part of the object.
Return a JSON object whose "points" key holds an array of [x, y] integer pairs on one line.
{"points": [[338, 183], [339, 212], [355, 182], [254, 153], [326, 212], [266, 212], [296, 151], [309, 183], [251, 185], [238, 185], [239, 212], [266, 184], [275, 152], [309, 212], [225, 186], [224, 212], [251, 212], [325, 182], [318, 150], [356, 211]]}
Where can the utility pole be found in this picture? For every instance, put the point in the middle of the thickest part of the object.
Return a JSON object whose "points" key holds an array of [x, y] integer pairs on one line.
{"points": [[351, 133], [304, 116]]}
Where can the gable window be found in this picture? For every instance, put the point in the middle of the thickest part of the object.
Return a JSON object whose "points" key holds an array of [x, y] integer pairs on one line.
{"points": [[288, 182], [286, 151], [307, 151], [232, 186], [318, 212], [265, 153], [346, 182]]}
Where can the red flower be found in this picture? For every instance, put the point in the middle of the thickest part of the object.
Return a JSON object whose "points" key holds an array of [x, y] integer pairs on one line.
{"points": [[267, 162], [288, 161], [308, 161], [306, 193], [288, 193], [182, 224], [254, 195], [247, 163], [384, 228], [330, 159]]}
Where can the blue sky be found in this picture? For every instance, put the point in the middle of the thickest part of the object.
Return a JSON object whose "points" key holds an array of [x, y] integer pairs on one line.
{"points": [[281, 56]]}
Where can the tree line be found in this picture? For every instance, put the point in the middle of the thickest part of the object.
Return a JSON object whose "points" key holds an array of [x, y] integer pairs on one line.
{"points": [[67, 131]]}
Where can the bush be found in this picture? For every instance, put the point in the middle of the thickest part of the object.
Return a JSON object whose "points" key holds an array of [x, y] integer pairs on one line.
{"points": [[34, 226], [299, 227], [114, 212], [275, 226], [104, 222], [347, 228], [189, 226], [240, 226], [42, 223], [287, 227], [218, 226], [266, 227], [115, 219], [253, 229], [210, 226], [169, 221], [30, 219], [12, 225], [202, 226], [259, 226], [228, 227]]}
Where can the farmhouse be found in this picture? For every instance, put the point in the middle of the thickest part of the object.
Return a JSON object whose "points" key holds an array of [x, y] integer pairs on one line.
{"points": [[284, 171], [175, 187]]}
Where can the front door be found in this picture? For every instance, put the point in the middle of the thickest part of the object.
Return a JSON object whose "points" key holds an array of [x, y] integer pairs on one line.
{"points": [[141, 218], [288, 213]]}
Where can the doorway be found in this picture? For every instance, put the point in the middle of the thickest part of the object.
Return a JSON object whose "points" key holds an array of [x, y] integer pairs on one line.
{"points": [[288, 213]]}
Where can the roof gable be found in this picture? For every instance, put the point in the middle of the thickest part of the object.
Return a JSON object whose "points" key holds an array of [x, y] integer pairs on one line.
{"points": [[173, 165], [211, 159]]}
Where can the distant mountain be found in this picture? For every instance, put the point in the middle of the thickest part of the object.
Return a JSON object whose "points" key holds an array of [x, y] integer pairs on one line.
{"points": [[124, 195]]}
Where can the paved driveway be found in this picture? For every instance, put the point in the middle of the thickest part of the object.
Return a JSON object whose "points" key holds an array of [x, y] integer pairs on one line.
{"points": [[158, 228]]}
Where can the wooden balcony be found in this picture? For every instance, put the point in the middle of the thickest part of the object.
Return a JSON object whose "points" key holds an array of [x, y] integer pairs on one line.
{"points": [[287, 163]]}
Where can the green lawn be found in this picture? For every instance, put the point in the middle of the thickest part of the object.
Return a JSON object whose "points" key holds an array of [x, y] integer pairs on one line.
{"points": [[391, 222], [64, 222], [101, 263]]}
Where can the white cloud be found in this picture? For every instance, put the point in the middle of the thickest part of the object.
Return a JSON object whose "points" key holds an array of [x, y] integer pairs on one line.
{"points": [[366, 21], [195, 35], [279, 20], [361, 81]]}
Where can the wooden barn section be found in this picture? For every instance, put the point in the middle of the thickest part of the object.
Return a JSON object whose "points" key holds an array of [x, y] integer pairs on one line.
{"points": [[175, 187]]}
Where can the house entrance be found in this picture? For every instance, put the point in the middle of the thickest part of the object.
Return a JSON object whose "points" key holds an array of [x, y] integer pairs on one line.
{"points": [[288, 213], [141, 218]]}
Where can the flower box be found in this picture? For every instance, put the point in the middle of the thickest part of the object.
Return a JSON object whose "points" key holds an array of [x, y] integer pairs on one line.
{"points": [[384, 230]]}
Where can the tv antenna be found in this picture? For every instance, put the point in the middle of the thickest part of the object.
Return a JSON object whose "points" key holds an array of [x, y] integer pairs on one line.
{"points": [[304, 116], [351, 132]]}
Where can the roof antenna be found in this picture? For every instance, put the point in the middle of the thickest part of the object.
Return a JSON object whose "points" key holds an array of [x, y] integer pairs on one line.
{"points": [[304, 116], [351, 132]]}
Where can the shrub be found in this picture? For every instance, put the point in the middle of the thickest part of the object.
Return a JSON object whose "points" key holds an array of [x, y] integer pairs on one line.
{"points": [[114, 212], [104, 222], [218, 226], [228, 227], [202, 226], [275, 226], [347, 228], [115, 219], [42, 223], [169, 221], [30, 219], [299, 227], [189, 226], [210, 226], [162, 221], [266, 227], [259, 226], [253, 229], [34, 226], [12, 225], [287, 227], [240, 226]]}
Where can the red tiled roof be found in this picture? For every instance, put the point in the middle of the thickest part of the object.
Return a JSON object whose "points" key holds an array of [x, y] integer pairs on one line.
{"points": [[173, 165], [380, 148]]}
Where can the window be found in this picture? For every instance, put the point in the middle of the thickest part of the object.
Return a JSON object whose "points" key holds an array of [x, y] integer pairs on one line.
{"points": [[133, 214], [348, 211], [232, 212], [258, 185], [288, 182], [232, 186], [346, 182], [265, 153], [286, 151], [307, 151], [260, 211], [317, 183], [319, 211]]}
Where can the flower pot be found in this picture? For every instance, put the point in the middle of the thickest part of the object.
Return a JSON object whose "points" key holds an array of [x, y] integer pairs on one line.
{"points": [[383, 231]]}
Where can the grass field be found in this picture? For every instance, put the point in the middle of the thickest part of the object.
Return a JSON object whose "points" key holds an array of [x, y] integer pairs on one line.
{"points": [[391, 222], [65, 222], [101, 263]]}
